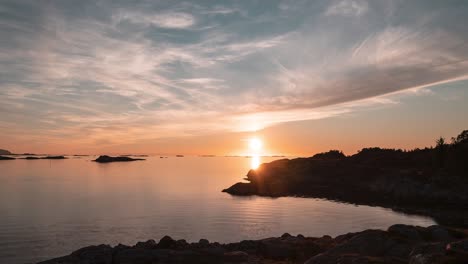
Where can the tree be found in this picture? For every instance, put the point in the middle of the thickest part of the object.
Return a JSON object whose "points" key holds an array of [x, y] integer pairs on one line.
{"points": [[463, 137], [440, 143], [440, 151]]}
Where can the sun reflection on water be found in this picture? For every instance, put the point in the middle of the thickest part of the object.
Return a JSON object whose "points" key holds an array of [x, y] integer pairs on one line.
{"points": [[255, 162]]}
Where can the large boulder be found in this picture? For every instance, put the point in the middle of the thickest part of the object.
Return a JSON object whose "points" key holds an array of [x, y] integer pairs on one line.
{"points": [[440, 233], [167, 242], [370, 246], [406, 231], [428, 253], [149, 244]]}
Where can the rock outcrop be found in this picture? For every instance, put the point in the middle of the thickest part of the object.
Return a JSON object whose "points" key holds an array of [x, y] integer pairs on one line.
{"points": [[418, 180], [6, 158], [46, 157], [5, 152], [399, 244], [106, 159], [54, 157]]}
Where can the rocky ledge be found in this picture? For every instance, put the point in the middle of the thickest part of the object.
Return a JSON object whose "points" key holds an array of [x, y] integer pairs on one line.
{"points": [[106, 159], [399, 244], [427, 181], [6, 158]]}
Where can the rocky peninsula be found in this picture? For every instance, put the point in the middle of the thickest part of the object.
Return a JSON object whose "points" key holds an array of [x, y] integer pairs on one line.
{"points": [[430, 181], [398, 244], [107, 159]]}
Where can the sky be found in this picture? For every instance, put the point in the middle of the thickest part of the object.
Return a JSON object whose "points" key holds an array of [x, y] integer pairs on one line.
{"points": [[202, 77]]}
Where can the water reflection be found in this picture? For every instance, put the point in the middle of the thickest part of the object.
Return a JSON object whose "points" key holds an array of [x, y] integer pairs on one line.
{"points": [[130, 202], [255, 162]]}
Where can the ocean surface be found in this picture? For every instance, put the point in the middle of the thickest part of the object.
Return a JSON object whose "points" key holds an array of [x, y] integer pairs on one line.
{"points": [[50, 208]]}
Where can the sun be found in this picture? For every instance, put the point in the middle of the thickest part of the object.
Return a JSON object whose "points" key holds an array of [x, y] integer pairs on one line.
{"points": [[255, 144]]}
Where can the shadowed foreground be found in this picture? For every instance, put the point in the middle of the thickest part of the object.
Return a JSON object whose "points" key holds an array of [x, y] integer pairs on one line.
{"points": [[399, 244]]}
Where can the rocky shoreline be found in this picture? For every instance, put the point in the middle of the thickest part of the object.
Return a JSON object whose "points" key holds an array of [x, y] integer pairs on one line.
{"points": [[398, 244], [430, 181]]}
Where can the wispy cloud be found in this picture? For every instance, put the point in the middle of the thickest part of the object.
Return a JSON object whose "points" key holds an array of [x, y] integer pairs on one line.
{"points": [[176, 20], [348, 8], [97, 72]]}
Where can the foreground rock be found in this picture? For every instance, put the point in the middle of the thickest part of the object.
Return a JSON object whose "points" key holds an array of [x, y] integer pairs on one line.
{"points": [[399, 244], [106, 159], [6, 158]]}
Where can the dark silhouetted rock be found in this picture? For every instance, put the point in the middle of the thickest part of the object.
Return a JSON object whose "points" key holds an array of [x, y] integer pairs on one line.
{"points": [[204, 242], [150, 244], [241, 188], [101, 254], [6, 158], [140, 256], [405, 231], [54, 157], [31, 158], [167, 242], [332, 154], [400, 244], [5, 152], [410, 181], [428, 253], [236, 256], [106, 159]]}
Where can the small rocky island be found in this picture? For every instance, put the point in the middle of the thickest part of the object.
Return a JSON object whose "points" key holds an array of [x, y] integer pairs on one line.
{"points": [[54, 157], [430, 181], [107, 159], [399, 244], [47, 157], [5, 152]]}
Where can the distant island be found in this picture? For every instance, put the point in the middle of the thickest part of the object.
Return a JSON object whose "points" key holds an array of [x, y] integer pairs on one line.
{"points": [[5, 152], [34, 158], [422, 180], [107, 159], [54, 157], [399, 244]]}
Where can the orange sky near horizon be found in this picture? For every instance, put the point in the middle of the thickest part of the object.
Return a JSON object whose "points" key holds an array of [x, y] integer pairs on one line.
{"points": [[413, 122]]}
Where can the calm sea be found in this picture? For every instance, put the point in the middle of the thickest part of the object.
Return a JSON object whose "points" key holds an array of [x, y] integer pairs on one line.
{"points": [[50, 208]]}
